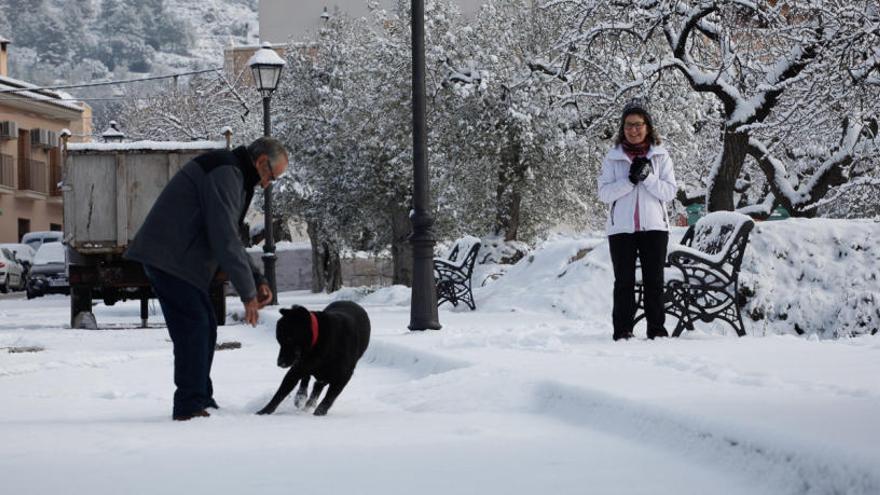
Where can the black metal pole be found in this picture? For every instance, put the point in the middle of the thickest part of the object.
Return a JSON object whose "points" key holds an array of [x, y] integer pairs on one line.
{"points": [[269, 243], [423, 311]]}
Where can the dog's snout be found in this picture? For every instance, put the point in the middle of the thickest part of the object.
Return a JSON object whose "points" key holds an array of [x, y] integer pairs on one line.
{"points": [[287, 362]]}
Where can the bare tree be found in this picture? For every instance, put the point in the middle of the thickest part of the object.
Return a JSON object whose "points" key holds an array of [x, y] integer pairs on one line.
{"points": [[794, 85], [190, 110]]}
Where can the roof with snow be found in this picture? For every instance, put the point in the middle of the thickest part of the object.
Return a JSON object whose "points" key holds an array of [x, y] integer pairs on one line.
{"points": [[16, 87]]}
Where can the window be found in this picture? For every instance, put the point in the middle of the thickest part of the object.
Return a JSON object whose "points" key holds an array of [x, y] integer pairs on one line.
{"points": [[24, 226]]}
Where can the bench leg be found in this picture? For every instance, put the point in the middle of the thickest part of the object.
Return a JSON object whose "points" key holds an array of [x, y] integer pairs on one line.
{"points": [[740, 328], [468, 298]]}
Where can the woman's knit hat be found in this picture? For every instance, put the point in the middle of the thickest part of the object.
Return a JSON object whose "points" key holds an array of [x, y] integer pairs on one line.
{"points": [[639, 106]]}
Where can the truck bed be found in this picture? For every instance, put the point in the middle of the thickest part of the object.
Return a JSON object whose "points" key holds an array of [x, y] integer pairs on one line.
{"points": [[109, 188]]}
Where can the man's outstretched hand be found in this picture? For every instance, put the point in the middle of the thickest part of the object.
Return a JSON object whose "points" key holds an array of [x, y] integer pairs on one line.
{"points": [[252, 308], [252, 312], [264, 295]]}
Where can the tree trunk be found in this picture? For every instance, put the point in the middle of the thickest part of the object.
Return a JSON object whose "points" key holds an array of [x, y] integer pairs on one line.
{"points": [[508, 193], [733, 155], [401, 250], [326, 265]]}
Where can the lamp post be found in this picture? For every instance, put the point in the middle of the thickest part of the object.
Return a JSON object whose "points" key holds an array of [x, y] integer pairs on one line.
{"points": [[423, 311], [266, 66]]}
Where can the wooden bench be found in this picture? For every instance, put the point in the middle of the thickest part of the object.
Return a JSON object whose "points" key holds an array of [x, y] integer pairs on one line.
{"points": [[452, 275], [702, 273]]}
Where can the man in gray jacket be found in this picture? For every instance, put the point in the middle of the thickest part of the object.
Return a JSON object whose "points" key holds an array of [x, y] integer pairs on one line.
{"points": [[192, 231]]}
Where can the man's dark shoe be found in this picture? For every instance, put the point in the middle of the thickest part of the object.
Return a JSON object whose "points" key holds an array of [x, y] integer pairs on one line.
{"points": [[186, 417], [657, 334], [212, 404], [622, 336]]}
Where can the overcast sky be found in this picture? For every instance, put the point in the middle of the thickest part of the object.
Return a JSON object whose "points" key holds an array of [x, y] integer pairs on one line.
{"points": [[281, 19]]}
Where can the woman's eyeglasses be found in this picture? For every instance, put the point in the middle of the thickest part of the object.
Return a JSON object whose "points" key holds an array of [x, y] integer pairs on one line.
{"points": [[633, 125]]}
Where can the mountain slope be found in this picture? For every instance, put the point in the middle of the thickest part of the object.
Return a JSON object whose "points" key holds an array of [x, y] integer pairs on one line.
{"points": [[76, 40]]}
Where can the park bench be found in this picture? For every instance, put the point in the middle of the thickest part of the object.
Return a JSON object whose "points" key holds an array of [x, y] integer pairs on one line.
{"points": [[452, 274], [702, 273]]}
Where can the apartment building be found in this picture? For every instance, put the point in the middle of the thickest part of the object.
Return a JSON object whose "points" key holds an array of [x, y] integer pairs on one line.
{"points": [[281, 20], [31, 121]]}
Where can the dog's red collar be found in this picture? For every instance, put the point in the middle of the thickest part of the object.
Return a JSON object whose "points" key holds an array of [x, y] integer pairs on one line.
{"points": [[314, 328]]}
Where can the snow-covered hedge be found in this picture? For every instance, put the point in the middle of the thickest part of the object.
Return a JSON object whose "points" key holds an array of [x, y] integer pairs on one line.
{"points": [[812, 276]]}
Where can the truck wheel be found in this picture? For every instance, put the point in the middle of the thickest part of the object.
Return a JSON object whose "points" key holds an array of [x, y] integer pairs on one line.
{"points": [[218, 301], [4, 284], [80, 300]]}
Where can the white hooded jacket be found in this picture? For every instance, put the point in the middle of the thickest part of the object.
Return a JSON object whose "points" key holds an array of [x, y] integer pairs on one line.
{"points": [[652, 194]]}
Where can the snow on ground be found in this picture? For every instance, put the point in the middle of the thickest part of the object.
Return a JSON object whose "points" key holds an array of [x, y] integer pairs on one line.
{"points": [[528, 394]]}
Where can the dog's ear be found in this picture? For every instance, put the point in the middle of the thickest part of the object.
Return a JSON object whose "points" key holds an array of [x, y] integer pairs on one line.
{"points": [[290, 310], [293, 310]]}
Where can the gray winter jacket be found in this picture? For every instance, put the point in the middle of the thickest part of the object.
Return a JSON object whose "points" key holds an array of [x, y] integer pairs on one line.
{"points": [[193, 228]]}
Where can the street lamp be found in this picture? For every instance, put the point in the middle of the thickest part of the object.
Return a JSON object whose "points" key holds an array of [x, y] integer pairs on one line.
{"points": [[423, 310], [112, 134], [266, 66]]}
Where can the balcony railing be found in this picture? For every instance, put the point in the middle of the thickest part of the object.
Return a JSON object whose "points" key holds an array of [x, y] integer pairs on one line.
{"points": [[32, 176], [7, 171], [55, 179]]}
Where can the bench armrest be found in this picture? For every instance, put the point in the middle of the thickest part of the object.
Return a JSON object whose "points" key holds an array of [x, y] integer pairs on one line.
{"points": [[698, 269], [684, 255], [443, 262]]}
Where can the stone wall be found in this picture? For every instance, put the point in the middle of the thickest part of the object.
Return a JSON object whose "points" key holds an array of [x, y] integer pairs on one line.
{"points": [[293, 270]]}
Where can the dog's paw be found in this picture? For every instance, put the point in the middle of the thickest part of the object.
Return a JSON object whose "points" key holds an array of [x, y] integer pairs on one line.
{"points": [[299, 400], [321, 411], [264, 411]]}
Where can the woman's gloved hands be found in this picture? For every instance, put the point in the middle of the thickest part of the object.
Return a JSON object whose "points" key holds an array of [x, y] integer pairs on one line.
{"points": [[639, 169]]}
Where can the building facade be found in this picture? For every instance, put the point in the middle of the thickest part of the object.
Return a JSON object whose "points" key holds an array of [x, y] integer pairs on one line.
{"points": [[281, 20], [31, 121]]}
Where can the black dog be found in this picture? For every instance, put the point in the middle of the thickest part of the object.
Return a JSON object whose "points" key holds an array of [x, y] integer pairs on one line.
{"points": [[325, 344]]}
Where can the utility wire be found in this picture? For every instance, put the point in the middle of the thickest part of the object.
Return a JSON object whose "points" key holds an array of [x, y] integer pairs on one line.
{"points": [[107, 83], [106, 98]]}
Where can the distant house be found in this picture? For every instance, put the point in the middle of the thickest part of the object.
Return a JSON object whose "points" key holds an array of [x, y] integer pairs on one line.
{"points": [[31, 121], [235, 59]]}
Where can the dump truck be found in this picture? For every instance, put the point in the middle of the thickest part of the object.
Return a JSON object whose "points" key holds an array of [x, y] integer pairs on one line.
{"points": [[108, 189]]}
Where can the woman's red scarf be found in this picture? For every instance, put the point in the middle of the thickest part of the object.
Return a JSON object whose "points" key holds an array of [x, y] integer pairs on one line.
{"points": [[634, 150]]}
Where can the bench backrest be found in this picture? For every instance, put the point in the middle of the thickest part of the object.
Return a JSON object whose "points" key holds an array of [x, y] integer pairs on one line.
{"points": [[721, 233], [465, 263]]}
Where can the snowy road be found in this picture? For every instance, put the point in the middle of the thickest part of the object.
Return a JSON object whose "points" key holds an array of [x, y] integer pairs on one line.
{"points": [[493, 403]]}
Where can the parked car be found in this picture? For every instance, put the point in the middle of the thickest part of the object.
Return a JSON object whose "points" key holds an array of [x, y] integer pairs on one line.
{"points": [[23, 252], [36, 239], [11, 272], [49, 272]]}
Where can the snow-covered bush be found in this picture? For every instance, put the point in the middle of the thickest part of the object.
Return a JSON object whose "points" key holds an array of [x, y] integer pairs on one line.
{"points": [[814, 276]]}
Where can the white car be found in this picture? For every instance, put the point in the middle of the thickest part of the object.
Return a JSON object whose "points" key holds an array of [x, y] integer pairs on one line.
{"points": [[49, 273], [36, 239], [23, 252], [11, 272]]}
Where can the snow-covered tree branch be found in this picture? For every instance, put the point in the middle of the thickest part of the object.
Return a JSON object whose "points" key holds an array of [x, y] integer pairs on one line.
{"points": [[785, 76]]}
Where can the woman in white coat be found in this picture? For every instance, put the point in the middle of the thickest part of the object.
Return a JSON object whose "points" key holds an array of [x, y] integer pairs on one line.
{"points": [[637, 181]]}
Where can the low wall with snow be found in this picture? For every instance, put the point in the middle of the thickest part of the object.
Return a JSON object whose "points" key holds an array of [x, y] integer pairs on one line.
{"points": [[293, 268]]}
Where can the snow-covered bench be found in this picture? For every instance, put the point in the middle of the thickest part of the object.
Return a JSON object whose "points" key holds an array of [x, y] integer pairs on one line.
{"points": [[452, 274], [702, 273]]}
